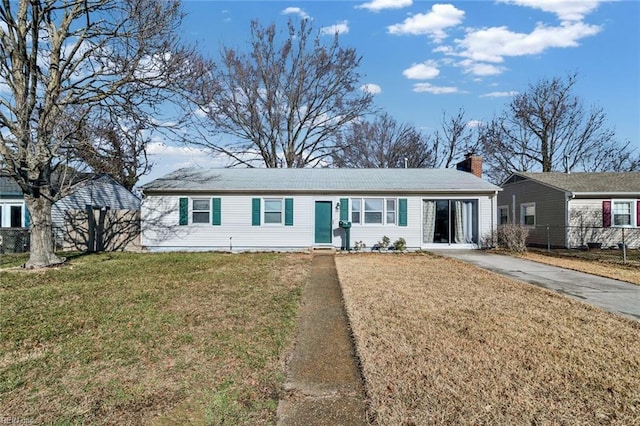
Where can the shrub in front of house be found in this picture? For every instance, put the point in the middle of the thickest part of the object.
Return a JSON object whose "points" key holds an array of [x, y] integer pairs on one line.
{"points": [[508, 237], [513, 237]]}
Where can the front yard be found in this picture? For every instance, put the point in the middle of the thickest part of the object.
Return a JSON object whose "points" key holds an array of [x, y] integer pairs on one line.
{"points": [[181, 338], [200, 338], [443, 342]]}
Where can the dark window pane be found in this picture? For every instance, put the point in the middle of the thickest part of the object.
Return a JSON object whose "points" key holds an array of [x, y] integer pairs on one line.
{"points": [[16, 216], [200, 217], [272, 217], [372, 217]]}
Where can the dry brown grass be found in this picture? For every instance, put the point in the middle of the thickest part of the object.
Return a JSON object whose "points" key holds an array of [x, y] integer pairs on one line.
{"points": [[173, 338], [616, 270], [444, 342]]}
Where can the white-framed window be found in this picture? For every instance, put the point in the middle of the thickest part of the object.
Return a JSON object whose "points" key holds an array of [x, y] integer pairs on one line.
{"points": [[528, 214], [200, 210], [273, 210], [622, 213], [356, 210], [503, 215], [391, 210], [11, 215], [374, 211]]}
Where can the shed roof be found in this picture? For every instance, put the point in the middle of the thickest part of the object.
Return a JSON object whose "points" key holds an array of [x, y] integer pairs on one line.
{"points": [[588, 182], [8, 186], [318, 180]]}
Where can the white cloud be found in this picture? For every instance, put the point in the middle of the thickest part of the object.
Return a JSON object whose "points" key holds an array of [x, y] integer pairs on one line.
{"points": [[295, 11], [340, 28], [160, 148], [493, 44], [434, 90], [480, 68], [434, 23], [571, 10], [424, 71], [378, 5], [167, 158], [473, 124], [374, 89], [499, 94]]}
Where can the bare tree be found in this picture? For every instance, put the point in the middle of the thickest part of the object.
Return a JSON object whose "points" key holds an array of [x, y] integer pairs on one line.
{"points": [[284, 101], [548, 128], [117, 145], [382, 143], [61, 63], [615, 157], [453, 141]]}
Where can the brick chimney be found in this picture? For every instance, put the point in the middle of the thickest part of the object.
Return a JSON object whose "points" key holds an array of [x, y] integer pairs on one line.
{"points": [[471, 164]]}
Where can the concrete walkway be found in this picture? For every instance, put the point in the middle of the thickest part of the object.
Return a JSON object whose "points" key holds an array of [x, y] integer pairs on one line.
{"points": [[619, 297], [323, 384]]}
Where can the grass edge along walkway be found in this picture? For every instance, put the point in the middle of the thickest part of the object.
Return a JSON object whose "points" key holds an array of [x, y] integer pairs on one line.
{"points": [[323, 384]]}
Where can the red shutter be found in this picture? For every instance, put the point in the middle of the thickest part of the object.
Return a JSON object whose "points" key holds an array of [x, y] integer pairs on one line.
{"points": [[606, 214], [638, 214]]}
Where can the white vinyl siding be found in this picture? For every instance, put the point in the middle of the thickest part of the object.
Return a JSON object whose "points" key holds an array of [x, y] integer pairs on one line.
{"points": [[160, 229]]}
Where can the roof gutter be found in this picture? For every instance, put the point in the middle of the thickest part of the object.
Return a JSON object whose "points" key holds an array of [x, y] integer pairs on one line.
{"points": [[318, 191], [602, 194]]}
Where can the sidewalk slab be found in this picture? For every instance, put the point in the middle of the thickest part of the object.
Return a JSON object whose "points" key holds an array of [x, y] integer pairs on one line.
{"points": [[323, 384]]}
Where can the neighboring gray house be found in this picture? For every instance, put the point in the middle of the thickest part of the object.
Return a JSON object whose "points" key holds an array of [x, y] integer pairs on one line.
{"points": [[98, 191], [574, 209], [293, 209]]}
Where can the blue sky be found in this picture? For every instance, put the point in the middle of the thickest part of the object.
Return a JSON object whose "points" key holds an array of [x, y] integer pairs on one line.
{"points": [[423, 58]]}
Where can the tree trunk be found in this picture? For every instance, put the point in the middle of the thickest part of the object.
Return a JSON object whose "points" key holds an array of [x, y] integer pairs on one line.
{"points": [[42, 253]]}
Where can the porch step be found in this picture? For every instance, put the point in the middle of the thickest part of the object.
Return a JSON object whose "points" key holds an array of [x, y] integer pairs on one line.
{"points": [[322, 250]]}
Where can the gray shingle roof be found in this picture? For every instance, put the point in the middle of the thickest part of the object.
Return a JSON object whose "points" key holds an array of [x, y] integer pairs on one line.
{"points": [[8, 186], [318, 180], [607, 182]]}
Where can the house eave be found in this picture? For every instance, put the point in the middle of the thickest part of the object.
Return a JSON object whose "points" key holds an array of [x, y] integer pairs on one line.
{"points": [[174, 191], [605, 194]]}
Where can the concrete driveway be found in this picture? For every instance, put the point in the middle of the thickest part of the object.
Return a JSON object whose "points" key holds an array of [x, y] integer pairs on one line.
{"points": [[614, 296]]}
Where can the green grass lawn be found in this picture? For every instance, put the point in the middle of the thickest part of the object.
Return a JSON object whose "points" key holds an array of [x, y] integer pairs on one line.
{"points": [[169, 338]]}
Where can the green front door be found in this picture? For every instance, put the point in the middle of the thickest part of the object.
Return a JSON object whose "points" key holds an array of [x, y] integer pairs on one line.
{"points": [[323, 222]]}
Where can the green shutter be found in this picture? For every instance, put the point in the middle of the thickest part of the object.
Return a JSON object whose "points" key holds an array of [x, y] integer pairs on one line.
{"points": [[255, 212], [288, 212], [344, 209], [216, 211], [27, 217], [402, 212], [184, 211]]}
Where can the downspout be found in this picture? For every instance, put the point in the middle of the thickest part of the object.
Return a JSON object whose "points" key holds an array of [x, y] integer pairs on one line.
{"points": [[568, 197], [494, 204]]}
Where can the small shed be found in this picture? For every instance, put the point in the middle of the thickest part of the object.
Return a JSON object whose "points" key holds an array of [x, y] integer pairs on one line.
{"points": [[73, 215]]}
